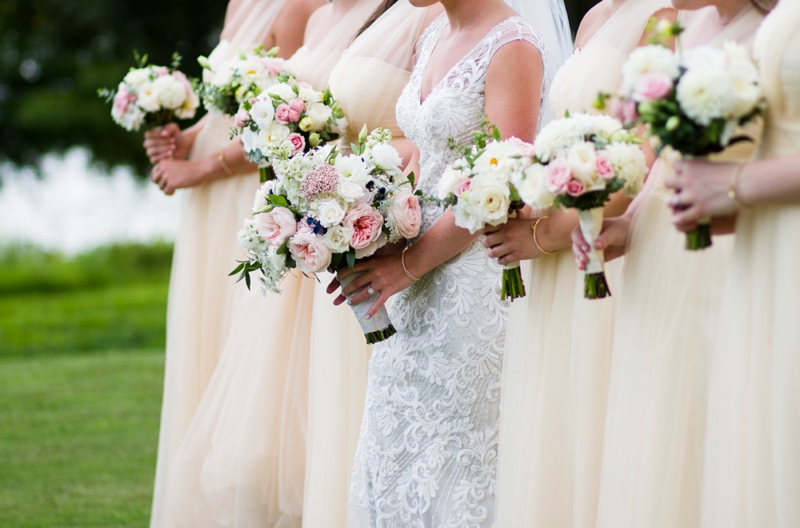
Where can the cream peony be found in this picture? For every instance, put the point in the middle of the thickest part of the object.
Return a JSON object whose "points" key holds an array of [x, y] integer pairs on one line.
{"points": [[557, 136], [706, 94], [629, 164], [136, 78], [171, 92], [148, 98]]}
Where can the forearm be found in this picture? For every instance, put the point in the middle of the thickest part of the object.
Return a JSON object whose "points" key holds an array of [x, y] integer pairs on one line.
{"points": [[442, 242], [773, 180]]}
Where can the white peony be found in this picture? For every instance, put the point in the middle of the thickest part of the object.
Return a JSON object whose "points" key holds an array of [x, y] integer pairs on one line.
{"points": [[171, 92], [532, 189], [706, 94], [319, 115], [263, 112], [338, 239], [274, 135], [147, 98], [557, 136], [386, 158], [136, 78], [353, 168], [132, 119], [330, 213], [282, 90], [582, 157], [349, 190], [648, 59], [629, 164]]}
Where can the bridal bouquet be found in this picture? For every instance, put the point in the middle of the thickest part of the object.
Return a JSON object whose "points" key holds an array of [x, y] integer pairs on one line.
{"points": [[580, 162], [692, 102], [480, 191], [325, 210], [241, 78], [151, 95], [286, 119]]}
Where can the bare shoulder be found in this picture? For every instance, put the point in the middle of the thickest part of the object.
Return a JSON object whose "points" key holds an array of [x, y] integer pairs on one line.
{"points": [[518, 57], [590, 22], [297, 13]]}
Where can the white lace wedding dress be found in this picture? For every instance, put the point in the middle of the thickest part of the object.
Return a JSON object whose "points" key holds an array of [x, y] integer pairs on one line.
{"points": [[427, 453]]}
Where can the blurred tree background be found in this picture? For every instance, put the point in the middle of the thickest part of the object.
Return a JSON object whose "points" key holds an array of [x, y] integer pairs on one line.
{"points": [[54, 54]]}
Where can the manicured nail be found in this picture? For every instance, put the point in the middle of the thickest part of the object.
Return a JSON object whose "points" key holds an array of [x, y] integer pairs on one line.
{"points": [[367, 316], [349, 302]]}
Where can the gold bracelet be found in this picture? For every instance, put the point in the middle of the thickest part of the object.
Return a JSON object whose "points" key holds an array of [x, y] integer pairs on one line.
{"points": [[534, 225], [408, 273], [732, 187], [224, 163]]}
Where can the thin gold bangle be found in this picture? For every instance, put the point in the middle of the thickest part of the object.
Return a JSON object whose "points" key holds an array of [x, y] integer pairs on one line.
{"points": [[535, 225], [408, 273], [732, 194], [224, 163]]}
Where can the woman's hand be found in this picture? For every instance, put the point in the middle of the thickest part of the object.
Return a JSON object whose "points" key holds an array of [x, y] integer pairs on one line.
{"points": [[511, 242], [611, 240], [166, 142], [701, 189], [171, 175], [384, 274]]}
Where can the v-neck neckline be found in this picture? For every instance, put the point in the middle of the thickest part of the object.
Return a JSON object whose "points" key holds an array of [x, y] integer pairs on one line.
{"points": [[420, 101]]}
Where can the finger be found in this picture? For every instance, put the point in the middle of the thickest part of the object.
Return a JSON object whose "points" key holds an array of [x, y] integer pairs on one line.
{"points": [[333, 286], [380, 303], [499, 252], [360, 297], [492, 229], [339, 300], [358, 283], [580, 262], [342, 274], [169, 190], [508, 260], [155, 174], [155, 150], [609, 237], [674, 182], [172, 129], [687, 220], [578, 242], [493, 239]]}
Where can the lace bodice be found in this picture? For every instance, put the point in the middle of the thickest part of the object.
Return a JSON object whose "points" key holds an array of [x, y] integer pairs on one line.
{"points": [[427, 453], [455, 107]]}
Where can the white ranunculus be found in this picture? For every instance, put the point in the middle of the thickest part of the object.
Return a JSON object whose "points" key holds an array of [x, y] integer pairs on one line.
{"points": [[282, 90], [532, 189], [582, 157], [319, 115], [706, 94], [449, 180], [629, 164], [263, 112], [349, 190], [648, 59], [136, 78], [557, 136], [338, 239], [386, 158], [147, 98], [353, 168], [170, 92], [330, 213]]}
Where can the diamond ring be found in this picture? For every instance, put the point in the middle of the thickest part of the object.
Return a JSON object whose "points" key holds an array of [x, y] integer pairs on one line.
{"points": [[370, 290]]}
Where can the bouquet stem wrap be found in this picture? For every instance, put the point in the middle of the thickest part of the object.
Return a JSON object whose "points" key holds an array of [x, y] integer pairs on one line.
{"points": [[699, 237], [379, 327], [512, 287], [266, 173], [595, 284]]}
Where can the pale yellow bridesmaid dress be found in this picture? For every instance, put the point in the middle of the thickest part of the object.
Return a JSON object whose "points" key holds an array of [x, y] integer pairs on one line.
{"points": [[555, 377], [242, 460], [367, 81], [200, 296], [752, 457], [665, 323]]}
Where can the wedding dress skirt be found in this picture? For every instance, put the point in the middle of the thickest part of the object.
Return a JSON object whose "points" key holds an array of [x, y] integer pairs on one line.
{"points": [[752, 464]]}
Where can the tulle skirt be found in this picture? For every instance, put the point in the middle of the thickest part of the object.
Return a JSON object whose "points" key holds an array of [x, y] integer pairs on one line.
{"points": [[200, 300], [665, 326], [337, 391]]}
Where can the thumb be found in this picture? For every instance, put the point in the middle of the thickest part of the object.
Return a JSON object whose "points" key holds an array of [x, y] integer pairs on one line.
{"points": [[610, 236]]}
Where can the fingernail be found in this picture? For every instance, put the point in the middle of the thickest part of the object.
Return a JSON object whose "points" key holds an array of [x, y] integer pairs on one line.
{"points": [[367, 316], [349, 302]]}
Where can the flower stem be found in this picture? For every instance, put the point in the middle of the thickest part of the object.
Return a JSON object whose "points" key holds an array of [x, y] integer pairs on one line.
{"points": [[513, 287], [380, 335], [699, 238], [595, 286], [266, 174]]}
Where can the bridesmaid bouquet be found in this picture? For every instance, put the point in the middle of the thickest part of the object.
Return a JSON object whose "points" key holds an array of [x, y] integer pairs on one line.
{"points": [[241, 78], [325, 210], [580, 162], [151, 95], [286, 119], [480, 191], [692, 102]]}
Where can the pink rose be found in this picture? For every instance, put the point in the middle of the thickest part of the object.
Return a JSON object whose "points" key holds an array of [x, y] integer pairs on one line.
{"points": [[305, 85], [123, 99], [624, 111], [276, 226], [575, 188], [298, 105], [557, 175], [366, 224], [242, 118], [527, 148], [274, 67], [603, 166], [282, 114], [297, 142], [310, 252], [406, 214], [161, 71], [463, 186], [652, 86]]}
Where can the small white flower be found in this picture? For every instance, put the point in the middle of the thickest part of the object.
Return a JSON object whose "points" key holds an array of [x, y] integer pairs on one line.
{"points": [[249, 238], [532, 189], [386, 158], [353, 168], [282, 90], [449, 180], [263, 112], [338, 239], [706, 94], [171, 93]]}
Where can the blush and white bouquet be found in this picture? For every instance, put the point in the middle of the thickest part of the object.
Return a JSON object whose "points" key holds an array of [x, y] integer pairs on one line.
{"points": [[325, 210], [479, 188], [151, 95], [580, 161], [240, 78], [286, 119], [692, 101]]}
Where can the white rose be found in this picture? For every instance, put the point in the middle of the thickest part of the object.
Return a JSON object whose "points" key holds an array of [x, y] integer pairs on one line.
{"points": [[582, 157], [132, 119], [706, 94], [136, 78], [353, 168], [190, 104], [263, 113], [330, 213], [386, 158], [648, 59], [338, 239], [449, 179], [557, 136], [487, 201], [282, 90], [170, 92], [629, 164], [349, 190], [319, 115], [532, 189], [147, 98]]}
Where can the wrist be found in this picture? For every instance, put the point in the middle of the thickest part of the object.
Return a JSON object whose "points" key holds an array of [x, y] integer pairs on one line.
{"points": [[209, 168], [412, 268]]}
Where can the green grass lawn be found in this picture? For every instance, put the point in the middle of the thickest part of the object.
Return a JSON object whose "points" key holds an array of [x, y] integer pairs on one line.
{"points": [[81, 378]]}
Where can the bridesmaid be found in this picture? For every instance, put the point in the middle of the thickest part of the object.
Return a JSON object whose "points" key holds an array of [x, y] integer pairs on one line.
{"points": [[220, 184], [242, 462], [555, 380], [667, 315], [367, 82], [752, 456]]}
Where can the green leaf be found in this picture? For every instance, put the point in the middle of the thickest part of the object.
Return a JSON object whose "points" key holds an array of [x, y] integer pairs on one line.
{"points": [[284, 249], [236, 270], [412, 179], [351, 258], [277, 199]]}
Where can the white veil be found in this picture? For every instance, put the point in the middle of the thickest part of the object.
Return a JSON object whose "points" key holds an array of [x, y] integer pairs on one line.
{"points": [[549, 20]]}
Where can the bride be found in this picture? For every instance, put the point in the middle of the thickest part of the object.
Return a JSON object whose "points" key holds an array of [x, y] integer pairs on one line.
{"points": [[427, 453]]}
